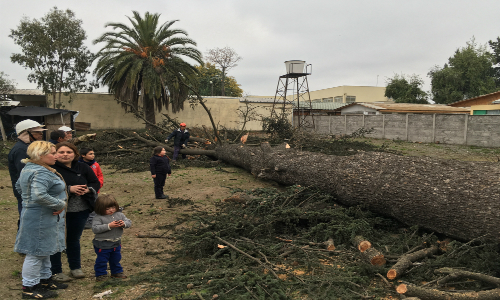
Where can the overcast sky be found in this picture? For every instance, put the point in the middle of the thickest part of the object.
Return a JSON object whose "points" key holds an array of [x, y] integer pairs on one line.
{"points": [[351, 42]]}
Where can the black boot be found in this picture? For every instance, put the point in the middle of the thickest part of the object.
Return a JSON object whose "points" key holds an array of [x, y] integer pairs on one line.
{"points": [[50, 284], [37, 292]]}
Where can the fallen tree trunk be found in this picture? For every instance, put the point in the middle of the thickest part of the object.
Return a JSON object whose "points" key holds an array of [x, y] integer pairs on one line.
{"points": [[210, 153], [433, 294], [459, 199]]}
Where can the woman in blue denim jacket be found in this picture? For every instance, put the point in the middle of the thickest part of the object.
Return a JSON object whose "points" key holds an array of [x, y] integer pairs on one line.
{"points": [[44, 199]]}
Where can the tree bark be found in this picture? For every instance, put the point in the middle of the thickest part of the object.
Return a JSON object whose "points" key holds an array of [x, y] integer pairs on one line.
{"points": [[459, 199], [374, 256], [149, 111], [432, 294]]}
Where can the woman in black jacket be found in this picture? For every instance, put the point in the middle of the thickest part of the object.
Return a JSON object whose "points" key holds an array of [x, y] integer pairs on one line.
{"points": [[82, 185]]}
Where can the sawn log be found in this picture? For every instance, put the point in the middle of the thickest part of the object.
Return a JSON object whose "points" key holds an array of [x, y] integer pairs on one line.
{"points": [[458, 199]]}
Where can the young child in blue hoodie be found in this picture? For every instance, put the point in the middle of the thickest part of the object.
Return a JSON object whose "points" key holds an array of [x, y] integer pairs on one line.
{"points": [[160, 169]]}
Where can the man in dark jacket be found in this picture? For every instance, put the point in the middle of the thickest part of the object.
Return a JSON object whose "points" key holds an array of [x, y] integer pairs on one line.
{"points": [[27, 131], [181, 138]]}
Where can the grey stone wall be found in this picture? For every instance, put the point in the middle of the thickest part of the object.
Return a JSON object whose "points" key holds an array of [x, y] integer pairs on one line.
{"points": [[443, 128]]}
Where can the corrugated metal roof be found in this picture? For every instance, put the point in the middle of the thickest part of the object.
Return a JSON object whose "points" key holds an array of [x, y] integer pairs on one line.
{"points": [[27, 92], [321, 105], [475, 98], [408, 107]]}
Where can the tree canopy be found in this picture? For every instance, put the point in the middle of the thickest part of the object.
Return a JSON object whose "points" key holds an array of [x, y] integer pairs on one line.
{"points": [[469, 73], [406, 89], [495, 46], [226, 58], [210, 82], [6, 86], [52, 48], [144, 61]]}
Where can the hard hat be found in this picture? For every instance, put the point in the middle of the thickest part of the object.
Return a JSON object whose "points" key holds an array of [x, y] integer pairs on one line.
{"points": [[182, 124], [28, 124], [65, 128]]}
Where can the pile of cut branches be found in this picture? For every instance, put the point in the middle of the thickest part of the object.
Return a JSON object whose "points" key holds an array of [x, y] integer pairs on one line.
{"points": [[300, 244]]}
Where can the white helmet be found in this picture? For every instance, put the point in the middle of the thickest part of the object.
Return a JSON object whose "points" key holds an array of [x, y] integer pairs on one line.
{"points": [[28, 124], [65, 128]]}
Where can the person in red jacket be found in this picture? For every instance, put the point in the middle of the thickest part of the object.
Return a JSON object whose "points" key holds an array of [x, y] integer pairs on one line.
{"points": [[88, 157]]}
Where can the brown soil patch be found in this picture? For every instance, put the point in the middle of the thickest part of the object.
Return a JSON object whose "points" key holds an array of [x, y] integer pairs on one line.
{"points": [[204, 186]]}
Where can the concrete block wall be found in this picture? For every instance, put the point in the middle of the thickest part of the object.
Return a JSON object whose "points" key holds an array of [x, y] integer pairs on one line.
{"points": [[457, 129]]}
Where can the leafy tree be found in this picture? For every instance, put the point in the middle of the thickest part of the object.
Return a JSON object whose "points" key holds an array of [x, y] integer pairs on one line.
{"points": [[469, 73], [6, 86], [496, 59], [52, 48], [404, 89], [226, 58], [210, 82], [145, 61]]}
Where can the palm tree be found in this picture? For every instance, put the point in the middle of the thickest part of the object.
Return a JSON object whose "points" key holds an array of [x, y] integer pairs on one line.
{"points": [[146, 62]]}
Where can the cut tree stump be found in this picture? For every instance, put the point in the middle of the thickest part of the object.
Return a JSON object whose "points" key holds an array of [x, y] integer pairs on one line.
{"points": [[374, 256], [361, 243], [406, 261], [433, 294], [455, 198]]}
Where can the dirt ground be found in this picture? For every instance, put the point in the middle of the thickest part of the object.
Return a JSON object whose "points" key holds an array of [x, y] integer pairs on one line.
{"points": [[204, 186]]}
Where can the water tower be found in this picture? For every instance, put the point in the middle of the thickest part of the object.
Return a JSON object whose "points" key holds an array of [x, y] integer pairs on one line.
{"points": [[293, 91]]}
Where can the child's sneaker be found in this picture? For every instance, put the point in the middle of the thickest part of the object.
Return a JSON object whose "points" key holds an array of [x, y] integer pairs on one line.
{"points": [[37, 292], [119, 275], [77, 273], [51, 284]]}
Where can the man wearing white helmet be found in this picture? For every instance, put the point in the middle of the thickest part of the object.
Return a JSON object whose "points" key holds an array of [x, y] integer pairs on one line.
{"points": [[75, 141], [68, 131], [27, 131]]}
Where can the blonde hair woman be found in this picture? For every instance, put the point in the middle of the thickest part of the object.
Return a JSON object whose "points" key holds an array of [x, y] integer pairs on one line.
{"points": [[44, 198]]}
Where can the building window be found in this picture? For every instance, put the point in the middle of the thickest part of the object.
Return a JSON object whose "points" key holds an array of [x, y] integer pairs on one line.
{"points": [[493, 112], [325, 100], [316, 100], [350, 99], [338, 99]]}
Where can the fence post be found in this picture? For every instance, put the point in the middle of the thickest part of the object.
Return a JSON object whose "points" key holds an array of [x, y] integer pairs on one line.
{"points": [[407, 127], [466, 128], [345, 124], [434, 128], [383, 126]]}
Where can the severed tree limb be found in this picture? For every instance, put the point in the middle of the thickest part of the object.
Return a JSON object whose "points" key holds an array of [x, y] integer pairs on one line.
{"points": [[170, 149], [121, 150], [374, 257], [433, 294], [454, 274], [361, 243], [249, 256], [406, 261]]}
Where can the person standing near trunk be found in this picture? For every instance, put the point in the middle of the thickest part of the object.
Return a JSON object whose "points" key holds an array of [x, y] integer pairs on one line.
{"points": [[181, 138], [160, 169]]}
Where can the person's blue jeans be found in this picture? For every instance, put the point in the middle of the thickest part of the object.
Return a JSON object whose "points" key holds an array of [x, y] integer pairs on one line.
{"points": [[176, 153], [113, 256], [75, 223], [35, 268]]}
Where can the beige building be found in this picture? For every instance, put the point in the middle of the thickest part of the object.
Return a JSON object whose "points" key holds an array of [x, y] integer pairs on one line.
{"points": [[103, 112], [349, 94]]}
